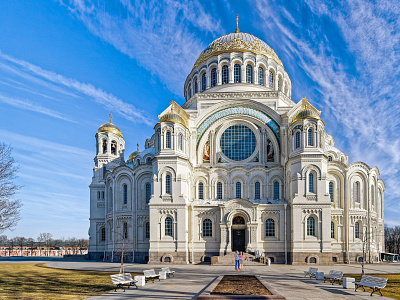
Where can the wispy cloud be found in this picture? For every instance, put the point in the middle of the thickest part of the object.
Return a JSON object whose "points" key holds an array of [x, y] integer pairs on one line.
{"points": [[362, 105], [159, 35], [71, 87]]}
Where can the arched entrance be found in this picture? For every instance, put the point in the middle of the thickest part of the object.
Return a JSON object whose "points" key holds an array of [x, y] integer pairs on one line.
{"points": [[238, 234]]}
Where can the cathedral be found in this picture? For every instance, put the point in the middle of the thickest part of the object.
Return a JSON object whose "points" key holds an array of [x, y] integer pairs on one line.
{"points": [[238, 166]]}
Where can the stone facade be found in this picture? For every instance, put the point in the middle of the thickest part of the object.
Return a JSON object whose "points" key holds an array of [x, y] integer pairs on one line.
{"points": [[239, 166]]}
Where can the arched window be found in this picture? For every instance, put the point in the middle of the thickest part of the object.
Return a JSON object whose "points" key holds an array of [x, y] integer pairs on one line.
{"points": [[357, 230], [261, 76], [103, 234], [104, 146], [219, 190], [207, 227], [332, 230], [311, 183], [356, 191], [196, 86], [180, 141], [213, 77], [238, 190], [271, 79], [168, 139], [311, 226], [148, 192], [238, 220], [114, 147], [147, 230], [168, 184], [237, 75], [270, 227], [190, 91], [257, 194], [125, 230], [249, 74], [125, 188], [276, 190], [310, 137], [329, 158], [98, 195], [102, 195], [280, 83], [225, 74], [201, 190], [331, 191], [168, 226], [297, 142], [148, 161], [203, 82]]}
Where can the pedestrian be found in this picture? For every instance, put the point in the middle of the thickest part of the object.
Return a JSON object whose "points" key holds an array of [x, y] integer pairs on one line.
{"points": [[241, 260], [237, 260]]}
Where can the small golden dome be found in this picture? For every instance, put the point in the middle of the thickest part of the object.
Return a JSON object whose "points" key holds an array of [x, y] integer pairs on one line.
{"points": [[307, 113], [134, 154], [110, 127], [172, 117]]}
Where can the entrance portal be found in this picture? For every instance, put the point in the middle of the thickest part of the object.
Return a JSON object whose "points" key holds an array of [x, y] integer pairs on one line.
{"points": [[238, 240]]}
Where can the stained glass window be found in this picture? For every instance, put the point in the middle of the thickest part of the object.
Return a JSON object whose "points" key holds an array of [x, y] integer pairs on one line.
{"points": [[213, 77], [249, 74], [207, 227], [238, 190], [237, 73], [225, 74], [331, 191], [270, 227], [219, 190], [276, 190], [261, 76], [148, 192], [201, 190], [238, 142], [168, 226], [257, 190], [203, 82], [311, 226]]}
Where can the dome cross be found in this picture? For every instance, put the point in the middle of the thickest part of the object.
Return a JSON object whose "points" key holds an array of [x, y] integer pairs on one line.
{"points": [[237, 24]]}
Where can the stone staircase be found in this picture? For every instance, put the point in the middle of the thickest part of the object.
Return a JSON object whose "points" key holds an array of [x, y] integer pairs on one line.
{"points": [[229, 260]]}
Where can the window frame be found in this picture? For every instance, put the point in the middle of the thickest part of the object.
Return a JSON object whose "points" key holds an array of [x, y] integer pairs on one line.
{"points": [[311, 226], [261, 76], [249, 73], [168, 227], [168, 140], [213, 77], [310, 137], [147, 188], [125, 193], [219, 190], [200, 192], [168, 184], [311, 182], [203, 82], [257, 190], [238, 190], [332, 191], [276, 190], [297, 141], [207, 228], [269, 227], [225, 74], [237, 73]]}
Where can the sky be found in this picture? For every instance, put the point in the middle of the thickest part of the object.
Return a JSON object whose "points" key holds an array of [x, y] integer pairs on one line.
{"points": [[66, 64]]}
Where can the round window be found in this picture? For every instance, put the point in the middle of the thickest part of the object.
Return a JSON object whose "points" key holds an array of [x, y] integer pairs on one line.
{"points": [[238, 142]]}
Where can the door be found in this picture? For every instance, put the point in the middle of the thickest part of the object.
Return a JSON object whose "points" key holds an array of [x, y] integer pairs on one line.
{"points": [[238, 240]]}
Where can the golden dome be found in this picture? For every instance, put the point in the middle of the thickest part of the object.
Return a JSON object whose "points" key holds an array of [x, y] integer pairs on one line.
{"points": [[172, 117], [134, 154], [307, 113], [110, 127]]}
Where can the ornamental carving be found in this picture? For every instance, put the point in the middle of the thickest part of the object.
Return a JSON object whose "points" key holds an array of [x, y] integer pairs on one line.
{"points": [[237, 45]]}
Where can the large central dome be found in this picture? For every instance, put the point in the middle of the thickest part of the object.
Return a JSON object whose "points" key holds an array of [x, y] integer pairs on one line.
{"points": [[238, 41]]}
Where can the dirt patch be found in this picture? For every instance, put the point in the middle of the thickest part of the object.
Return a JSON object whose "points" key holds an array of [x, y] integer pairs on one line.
{"points": [[240, 285]]}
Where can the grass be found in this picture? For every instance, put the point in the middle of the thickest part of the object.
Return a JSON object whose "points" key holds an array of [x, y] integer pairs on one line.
{"points": [[36, 281], [392, 289]]}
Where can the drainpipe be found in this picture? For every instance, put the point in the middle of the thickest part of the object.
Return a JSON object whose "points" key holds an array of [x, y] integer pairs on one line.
{"points": [[285, 205]]}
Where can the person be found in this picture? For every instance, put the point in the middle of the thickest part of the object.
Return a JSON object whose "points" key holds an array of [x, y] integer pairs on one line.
{"points": [[241, 260], [237, 260]]}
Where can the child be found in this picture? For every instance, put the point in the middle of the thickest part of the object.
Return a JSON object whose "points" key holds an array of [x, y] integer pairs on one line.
{"points": [[241, 260]]}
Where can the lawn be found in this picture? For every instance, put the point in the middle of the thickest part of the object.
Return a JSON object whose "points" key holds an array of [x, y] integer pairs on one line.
{"points": [[36, 281], [392, 289]]}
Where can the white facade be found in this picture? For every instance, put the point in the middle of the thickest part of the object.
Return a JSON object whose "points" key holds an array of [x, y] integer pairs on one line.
{"points": [[239, 166]]}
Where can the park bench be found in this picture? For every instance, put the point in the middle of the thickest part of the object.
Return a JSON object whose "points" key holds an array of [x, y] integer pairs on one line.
{"points": [[168, 271], [312, 272], [151, 275], [121, 280], [333, 276], [375, 283]]}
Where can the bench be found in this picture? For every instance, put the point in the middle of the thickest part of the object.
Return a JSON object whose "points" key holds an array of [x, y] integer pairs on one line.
{"points": [[375, 283], [168, 271], [151, 275], [333, 276], [121, 280], [312, 272]]}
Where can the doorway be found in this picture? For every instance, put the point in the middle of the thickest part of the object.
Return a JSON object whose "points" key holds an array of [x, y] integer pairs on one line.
{"points": [[238, 240]]}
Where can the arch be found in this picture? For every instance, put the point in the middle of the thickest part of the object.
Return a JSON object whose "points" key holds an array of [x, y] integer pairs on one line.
{"points": [[237, 73], [313, 259], [249, 73], [167, 258], [207, 228], [113, 147], [238, 220]]}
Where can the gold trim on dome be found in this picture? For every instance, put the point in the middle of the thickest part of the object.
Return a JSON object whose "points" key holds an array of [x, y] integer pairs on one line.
{"points": [[176, 114], [307, 111], [111, 130], [236, 44]]}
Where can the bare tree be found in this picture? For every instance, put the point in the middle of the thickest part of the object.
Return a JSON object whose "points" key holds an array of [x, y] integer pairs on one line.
{"points": [[9, 207], [45, 238]]}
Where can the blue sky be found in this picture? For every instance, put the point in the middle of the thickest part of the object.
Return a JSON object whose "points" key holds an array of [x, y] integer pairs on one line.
{"points": [[65, 65]]}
